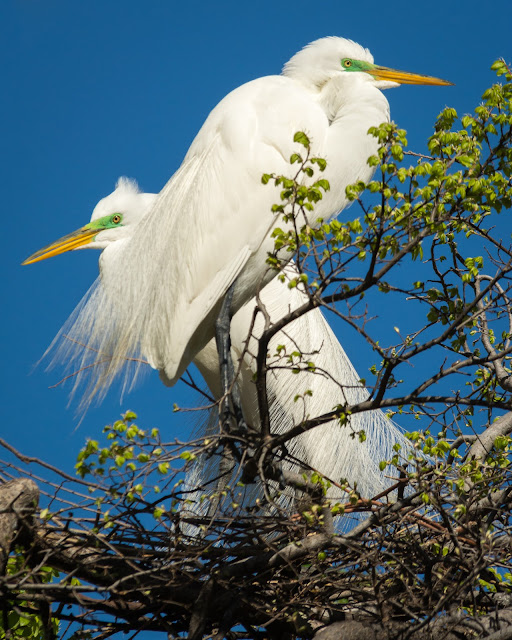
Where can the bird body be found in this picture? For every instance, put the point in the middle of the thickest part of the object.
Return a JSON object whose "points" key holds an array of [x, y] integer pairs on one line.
{"points": [[210, 227], [218, 187]]}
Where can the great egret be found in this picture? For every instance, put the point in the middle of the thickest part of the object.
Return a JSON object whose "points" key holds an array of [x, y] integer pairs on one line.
{"points": [[209, 228], [331, 449]]}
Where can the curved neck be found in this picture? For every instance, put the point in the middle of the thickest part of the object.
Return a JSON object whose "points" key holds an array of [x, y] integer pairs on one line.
{"points": [[346, 95]]}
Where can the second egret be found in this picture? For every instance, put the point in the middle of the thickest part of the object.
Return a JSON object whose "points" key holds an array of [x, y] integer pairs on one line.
{"points": [[331, 449]]}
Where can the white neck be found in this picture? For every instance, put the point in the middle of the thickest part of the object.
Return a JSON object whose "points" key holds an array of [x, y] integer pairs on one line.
{"points": [[353, 94]]}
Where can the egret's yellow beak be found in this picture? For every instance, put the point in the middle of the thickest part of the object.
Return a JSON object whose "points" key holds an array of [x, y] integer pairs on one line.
{"points": [[403, 77], [73, 240]]}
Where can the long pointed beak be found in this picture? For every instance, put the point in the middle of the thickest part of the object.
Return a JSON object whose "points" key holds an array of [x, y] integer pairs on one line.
{"points": [[403, 77], [73, 240]]}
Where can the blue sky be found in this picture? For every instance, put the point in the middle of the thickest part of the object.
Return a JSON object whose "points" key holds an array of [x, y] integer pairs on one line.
{"points": [[94, 90]]}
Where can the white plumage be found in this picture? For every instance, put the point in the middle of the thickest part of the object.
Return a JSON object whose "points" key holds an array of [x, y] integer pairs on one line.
{"points": [[210, 225]]}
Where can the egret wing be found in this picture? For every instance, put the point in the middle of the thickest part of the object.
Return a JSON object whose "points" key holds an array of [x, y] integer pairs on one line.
{"points": [[209, 226]]}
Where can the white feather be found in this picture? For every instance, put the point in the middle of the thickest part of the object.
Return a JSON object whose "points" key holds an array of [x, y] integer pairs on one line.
{"points": [[210, 226]]}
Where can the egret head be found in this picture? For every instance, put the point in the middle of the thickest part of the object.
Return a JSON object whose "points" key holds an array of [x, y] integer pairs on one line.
{"points": [[114, 218], [327, 58]]}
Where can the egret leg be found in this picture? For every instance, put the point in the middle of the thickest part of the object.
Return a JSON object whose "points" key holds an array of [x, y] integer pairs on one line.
{"points": [[230, 390], [227, 370]]}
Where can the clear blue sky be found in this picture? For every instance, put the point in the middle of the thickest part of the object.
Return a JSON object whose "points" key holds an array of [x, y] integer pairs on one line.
{"points": [[97, 89]]}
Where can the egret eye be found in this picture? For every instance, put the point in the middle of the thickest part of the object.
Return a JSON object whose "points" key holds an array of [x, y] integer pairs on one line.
{"points": [[346, 63], [116, 218]]}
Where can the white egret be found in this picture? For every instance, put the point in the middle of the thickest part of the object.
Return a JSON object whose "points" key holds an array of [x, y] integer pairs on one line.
{"points": [[209, 228], [331, 449]]}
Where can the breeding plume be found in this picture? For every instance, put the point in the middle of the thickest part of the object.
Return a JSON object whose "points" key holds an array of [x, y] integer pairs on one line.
{"points": [[210, 226], [330, 449]]}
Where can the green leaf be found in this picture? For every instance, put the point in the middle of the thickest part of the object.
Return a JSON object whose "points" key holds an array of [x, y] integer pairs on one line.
{"points": [[302, 139]]}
